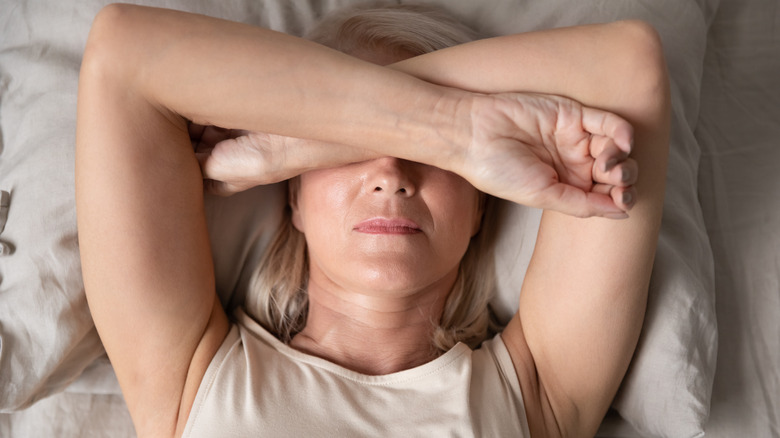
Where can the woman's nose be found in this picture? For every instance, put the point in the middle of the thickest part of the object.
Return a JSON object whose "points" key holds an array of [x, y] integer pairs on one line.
{"points": [[390, 176]]}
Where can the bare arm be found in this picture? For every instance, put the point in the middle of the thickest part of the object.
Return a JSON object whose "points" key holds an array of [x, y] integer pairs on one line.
{"points": [[145, 254], [584, 295], [551, 64]]}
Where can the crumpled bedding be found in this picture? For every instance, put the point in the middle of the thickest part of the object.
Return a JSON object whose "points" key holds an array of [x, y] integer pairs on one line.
{"points": [[721, 177], [739, 188]]}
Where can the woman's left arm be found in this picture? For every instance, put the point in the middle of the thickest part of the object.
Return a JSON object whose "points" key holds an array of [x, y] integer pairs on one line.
{"points": [[583, 299], [146, 260]]}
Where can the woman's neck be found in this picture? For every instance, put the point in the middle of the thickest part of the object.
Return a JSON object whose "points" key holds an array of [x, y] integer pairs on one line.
{"points": [[369, 334]]}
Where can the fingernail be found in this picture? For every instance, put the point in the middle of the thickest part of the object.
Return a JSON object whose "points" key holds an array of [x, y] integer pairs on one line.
{"points": [[627, 198], [625, 175], [610, 164]]}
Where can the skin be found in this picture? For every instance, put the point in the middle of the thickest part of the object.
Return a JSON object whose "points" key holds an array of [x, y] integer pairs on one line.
{"points": [[374, 290], [371, 288], [145, 253]]}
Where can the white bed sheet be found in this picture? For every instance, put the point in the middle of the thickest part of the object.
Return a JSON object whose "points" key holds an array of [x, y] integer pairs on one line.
{"points": [[739, 186]]}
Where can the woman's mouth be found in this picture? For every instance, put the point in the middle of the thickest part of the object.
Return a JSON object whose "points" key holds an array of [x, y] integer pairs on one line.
{"points": [[387, 226]]}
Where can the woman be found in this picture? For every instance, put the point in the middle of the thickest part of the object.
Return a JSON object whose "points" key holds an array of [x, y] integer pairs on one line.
{"points": [[387, 204]]}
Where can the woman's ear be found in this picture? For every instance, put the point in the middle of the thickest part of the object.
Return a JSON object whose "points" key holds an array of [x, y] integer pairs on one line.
{"points": [[293, 190]]}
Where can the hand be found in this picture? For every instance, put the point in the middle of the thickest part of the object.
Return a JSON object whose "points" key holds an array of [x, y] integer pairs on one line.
{"points": [[233, 160], [553, 153]]}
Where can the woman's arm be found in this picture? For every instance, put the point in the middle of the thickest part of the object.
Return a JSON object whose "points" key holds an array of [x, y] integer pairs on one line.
{"points": [[583, 298], [215, 72], [145, 254], [551, 64]]}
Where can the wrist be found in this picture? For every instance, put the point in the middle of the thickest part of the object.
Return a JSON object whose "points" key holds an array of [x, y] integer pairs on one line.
{"points": [[447, 131], [302, 155]]}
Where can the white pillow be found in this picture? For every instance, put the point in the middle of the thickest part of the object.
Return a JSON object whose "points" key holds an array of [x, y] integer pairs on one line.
{"points": [[47, 338]]}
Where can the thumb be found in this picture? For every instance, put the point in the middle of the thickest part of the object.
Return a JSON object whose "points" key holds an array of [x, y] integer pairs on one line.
{"points": [[219, 188], [573, 201], [208, 166]]}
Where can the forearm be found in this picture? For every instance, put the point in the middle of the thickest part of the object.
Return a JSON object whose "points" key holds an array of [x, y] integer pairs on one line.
{"points": [[227, 74], [556, 61], [584, 63]]}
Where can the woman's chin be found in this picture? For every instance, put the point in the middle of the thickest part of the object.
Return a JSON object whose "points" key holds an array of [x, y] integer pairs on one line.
{"points": [[390, 278], [404, 278]]}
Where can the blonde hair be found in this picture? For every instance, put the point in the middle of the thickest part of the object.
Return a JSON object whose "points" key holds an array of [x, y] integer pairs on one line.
{"points": [[408, 28], [277, 296]]}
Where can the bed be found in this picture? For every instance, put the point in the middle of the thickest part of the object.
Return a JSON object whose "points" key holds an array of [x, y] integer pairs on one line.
{"points": [[708, 360]]}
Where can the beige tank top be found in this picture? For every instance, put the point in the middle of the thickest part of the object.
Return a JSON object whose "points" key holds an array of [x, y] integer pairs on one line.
{"points": [[258, 386]]}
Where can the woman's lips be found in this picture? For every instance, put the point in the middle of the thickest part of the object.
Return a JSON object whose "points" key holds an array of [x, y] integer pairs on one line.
{"points": [[387, 226]]}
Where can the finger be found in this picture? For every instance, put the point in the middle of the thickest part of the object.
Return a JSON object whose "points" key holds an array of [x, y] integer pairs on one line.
{"points": [[622, 174], [606, 152], [599, 143], [603, 189], [209, 169], [575, 202], [219, 188], [604, 123], [623, 197], [213, 135]]}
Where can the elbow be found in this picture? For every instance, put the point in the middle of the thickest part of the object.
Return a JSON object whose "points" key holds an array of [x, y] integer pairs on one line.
{"points": [[648, 77], [104, 56], [647, 101]]}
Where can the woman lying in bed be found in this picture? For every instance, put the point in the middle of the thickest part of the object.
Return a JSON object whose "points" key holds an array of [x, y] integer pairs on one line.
{"points": [[374, 292]]}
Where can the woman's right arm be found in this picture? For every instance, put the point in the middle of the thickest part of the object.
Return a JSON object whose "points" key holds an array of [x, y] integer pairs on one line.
{"points": [[216, 72], [146, 260]]}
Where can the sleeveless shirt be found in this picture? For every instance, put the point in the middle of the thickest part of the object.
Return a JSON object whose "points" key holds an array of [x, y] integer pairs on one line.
{"points": [[258, 386]]}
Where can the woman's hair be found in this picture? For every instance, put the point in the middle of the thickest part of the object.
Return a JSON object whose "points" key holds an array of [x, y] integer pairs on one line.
{"points": [[408, 28], [277, 295]]}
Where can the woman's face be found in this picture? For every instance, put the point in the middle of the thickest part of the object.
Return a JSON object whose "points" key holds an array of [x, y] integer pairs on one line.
{"points": [[386, 225]]}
